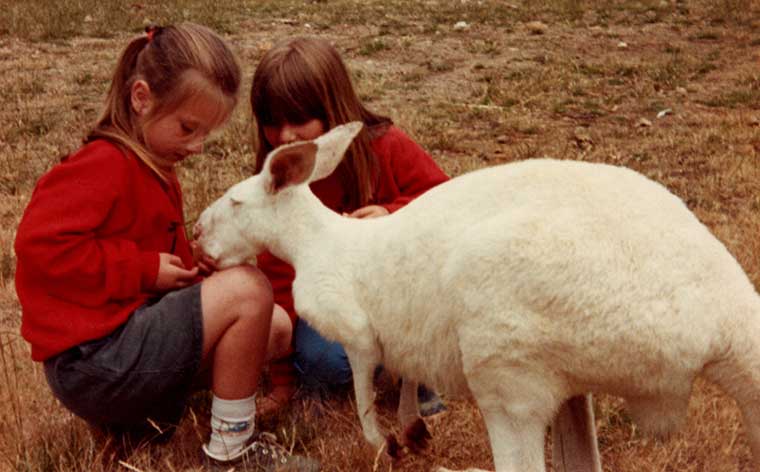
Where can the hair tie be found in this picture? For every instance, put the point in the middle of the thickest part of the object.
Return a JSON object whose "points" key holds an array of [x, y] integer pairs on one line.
{"points": [[151, 31]]}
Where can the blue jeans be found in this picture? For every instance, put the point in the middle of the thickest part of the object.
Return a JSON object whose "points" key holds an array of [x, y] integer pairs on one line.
{"points": [[321, 364]]}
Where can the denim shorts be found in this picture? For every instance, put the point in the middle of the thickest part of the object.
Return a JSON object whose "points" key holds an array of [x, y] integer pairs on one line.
{"points": [[143, 370]]}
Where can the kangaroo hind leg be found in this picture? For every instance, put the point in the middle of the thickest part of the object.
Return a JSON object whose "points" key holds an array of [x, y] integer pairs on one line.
{"points": [[739, 376], [660, 415]]}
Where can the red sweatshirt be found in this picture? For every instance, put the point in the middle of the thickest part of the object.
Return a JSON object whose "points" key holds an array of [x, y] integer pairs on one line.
{"points": [[87, 246], [405, 172]]}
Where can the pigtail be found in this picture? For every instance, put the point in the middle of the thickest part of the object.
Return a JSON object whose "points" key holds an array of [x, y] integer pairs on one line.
{"points": [[116, 122], [118, 103]]}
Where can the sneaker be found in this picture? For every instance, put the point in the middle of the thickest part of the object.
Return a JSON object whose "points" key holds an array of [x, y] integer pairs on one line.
{"points": [[429, 402], [263, 454]]}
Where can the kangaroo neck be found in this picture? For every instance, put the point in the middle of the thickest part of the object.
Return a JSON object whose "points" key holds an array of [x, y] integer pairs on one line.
{"points": [[305, 227]]}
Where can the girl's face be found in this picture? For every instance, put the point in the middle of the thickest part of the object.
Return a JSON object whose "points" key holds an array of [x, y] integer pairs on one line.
{"points": [[181, 132], [289, 132]]}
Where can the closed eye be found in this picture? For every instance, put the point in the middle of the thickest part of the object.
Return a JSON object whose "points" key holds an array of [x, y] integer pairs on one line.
{"points": [[187, 129]]}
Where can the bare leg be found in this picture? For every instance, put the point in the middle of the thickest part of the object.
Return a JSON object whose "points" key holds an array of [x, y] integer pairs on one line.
{"points": [[280, 334], [282, 392], [237, 312], [574, 445]]}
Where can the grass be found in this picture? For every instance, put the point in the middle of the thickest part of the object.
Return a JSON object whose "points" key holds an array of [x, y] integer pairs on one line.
{"points": [[491, 94]]}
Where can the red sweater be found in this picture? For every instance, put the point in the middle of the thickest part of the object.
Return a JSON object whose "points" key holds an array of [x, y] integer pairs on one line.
{"points": [[405, 172], [87, 246]]}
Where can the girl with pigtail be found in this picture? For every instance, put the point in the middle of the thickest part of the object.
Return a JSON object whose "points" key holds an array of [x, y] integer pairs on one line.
{"points": [[113, 302]]}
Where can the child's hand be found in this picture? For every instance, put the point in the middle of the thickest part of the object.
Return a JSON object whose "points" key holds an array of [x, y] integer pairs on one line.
{"points": [[369, 211], [172, 273], [205, 263]]}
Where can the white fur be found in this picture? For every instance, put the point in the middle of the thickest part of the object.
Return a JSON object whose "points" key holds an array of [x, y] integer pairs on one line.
{"points": [[523, 284]]}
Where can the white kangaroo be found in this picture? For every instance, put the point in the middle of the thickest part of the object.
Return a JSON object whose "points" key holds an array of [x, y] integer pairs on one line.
{"points": [[523, 284]]}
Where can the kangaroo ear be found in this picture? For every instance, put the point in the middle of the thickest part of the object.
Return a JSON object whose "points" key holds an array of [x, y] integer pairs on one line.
{"points": [[291, 164], [331, 147]]}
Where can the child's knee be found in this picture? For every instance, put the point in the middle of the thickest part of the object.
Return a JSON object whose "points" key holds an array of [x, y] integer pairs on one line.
{"points": [[238, 295], [249, 288], [280, 334]]}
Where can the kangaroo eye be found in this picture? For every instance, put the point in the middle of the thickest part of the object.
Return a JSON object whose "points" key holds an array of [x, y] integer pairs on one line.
{"points": [[187, 129]]}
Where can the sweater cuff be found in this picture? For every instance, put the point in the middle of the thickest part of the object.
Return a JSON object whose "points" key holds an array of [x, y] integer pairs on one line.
{"points": [[149, 262]]}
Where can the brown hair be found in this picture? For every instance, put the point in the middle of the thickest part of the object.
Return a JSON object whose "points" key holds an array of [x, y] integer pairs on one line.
{"points": [[161, 58], [305, 78]]}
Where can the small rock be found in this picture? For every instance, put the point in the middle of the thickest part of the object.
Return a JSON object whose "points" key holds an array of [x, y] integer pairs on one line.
{"points": [[662, 113], [537, 27], [643, 123], [681, 91], [502, 139], [264, 46], [622, 45], [88, 19], [755, 121], [582, 138], [461, 26]]}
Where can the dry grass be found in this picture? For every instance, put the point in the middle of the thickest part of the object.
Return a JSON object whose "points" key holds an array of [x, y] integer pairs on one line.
{"points": [[490, 94]]}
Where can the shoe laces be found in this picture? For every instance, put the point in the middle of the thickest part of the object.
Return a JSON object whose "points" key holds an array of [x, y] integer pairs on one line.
{"points": [[265, 450]]}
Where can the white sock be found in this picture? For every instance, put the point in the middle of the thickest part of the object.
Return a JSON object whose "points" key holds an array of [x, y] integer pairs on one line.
{"points": [[232, 424]]}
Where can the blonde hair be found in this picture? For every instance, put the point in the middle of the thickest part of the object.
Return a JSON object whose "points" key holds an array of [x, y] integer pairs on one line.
{"points": [[305, 78], [161, 58]]}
